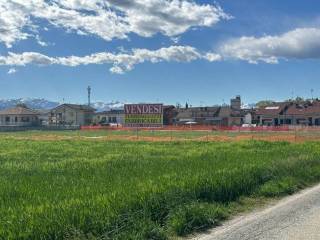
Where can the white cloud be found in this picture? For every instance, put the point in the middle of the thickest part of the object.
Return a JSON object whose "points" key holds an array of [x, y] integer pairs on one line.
{"points": [[212, 57], [107, 19], [121, 62], [11, 23], [14, 59], [41, 42], [12, 71], [301, 43]]}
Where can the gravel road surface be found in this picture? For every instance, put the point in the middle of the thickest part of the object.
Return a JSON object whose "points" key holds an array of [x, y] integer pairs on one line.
{"points": [[294, 218]]}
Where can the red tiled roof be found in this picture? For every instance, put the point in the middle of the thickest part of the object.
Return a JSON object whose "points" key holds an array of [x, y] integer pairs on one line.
{"points": [[274, 109], [304, 108]]}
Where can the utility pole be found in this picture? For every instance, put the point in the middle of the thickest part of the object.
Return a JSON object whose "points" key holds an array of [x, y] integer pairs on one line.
{"points": [[89, 95], [312, 93]]}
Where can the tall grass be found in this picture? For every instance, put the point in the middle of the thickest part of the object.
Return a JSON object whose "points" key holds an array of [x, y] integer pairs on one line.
{"points": [[138, 190]]}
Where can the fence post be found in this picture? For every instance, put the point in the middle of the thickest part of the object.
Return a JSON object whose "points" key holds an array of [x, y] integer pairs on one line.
{"points": [[137, 133]]}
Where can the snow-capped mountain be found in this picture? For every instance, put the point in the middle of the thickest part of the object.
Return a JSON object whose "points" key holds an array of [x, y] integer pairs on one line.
{"points": [[101, 106], [40, 103], [248, 105], [35, 103]]}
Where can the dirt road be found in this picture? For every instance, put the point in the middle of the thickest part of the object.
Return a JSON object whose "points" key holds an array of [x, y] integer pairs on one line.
{"points": [[293, 218]]}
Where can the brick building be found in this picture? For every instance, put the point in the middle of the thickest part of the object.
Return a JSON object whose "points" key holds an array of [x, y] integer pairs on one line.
{"points": [[289, 113]]}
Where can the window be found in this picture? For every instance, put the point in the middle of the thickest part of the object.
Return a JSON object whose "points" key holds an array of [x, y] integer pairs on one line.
{"points": [[16, 119], [7, 119], [25, 119]]}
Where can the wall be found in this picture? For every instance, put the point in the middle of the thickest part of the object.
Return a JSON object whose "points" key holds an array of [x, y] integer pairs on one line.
{"points": [[17, 120]]}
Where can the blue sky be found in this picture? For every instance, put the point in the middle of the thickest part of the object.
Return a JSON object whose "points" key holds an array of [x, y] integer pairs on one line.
{"points": [[266, 49]]}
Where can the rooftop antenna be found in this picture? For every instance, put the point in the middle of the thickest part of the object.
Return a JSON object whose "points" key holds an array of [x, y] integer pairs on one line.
{"points": [[89, 95]]}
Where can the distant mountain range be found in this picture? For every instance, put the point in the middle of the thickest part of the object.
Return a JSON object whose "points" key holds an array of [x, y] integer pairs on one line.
{"points": [[43, 104], [248, 105]]}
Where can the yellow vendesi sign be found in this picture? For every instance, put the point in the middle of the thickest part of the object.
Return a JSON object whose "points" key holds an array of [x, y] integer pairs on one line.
{"points": [[143, 115]]}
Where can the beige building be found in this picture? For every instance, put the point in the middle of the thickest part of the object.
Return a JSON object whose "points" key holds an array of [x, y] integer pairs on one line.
{"points": [[71, 114], [19, 116], [112, 116]]}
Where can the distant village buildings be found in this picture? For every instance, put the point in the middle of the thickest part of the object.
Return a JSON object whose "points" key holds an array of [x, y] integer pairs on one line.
{"points": [[306, 113], [231, 115]]}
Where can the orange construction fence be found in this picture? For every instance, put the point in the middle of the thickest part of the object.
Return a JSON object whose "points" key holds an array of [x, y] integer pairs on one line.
{"points": [[210, 128]]}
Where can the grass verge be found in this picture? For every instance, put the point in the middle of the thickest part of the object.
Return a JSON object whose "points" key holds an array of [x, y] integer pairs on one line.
{"points": [[76, 189]]}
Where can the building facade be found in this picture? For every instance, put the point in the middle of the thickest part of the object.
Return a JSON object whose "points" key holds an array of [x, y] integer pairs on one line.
{"points": [[306, 113], [20, 117], [273, 114], [196, 115], [71, 115], [289, 113]]}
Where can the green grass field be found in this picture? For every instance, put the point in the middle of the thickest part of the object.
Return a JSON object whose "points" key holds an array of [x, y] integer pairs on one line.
{"points": [[78, 189]]}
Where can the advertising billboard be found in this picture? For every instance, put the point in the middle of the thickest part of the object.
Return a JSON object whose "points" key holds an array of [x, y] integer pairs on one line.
{"points": [[143, 115]]}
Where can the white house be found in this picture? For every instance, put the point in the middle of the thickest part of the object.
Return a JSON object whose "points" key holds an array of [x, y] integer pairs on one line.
{"points": [[71, 114], [20, 116]]}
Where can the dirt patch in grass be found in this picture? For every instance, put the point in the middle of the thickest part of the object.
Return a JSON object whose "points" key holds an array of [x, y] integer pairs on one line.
{"points": [[167, 136]]}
